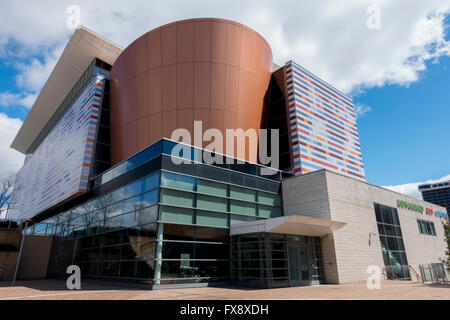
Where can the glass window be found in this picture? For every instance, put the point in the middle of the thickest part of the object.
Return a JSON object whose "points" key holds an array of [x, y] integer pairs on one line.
{"points": [[128, 269], [117, 195], [131, 204], [242, 194], [392, 243], [114, 210], [152, 181], [133, 189], [241, 207], [211, 203], [182, 151], [177, 269], [269, 198], [398, 231], [177, 198], [419, 224], [113, 222], [176, 215], [386, 213], [137, 160], [145, 269], [117, 171], [148, 215], [381, 229], [378, 213], [433, 231], [392, 246], [211, 269], [241, 219], [129, 220], [211, 251], [269, 212], [177, 181], [146, 250], [390, 231], [149, 198], [178, 250], [386, 258], [394, 215], [179, 232], [212, 188], [401, 247], [211, 234], [212, 219], [426, 227]]}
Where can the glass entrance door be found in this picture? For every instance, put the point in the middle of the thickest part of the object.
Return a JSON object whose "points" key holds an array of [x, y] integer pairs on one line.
{"points": [[299, 271]]}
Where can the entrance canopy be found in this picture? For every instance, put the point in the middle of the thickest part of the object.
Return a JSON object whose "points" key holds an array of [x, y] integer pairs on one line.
{"points": [[293, 225]]}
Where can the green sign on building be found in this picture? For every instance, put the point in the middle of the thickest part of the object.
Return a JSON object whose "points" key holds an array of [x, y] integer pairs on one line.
{"points": [[409, 205]]}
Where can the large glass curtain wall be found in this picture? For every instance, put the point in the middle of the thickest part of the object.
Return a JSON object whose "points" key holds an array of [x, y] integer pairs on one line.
{"points": [[392, 245], [111, 236], [191, 200], [115, 235], [193, 254], [261, 259], [190, 153]]}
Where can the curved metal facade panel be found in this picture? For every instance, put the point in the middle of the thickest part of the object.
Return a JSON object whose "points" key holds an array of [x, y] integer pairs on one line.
{"points": [[211, 70]]}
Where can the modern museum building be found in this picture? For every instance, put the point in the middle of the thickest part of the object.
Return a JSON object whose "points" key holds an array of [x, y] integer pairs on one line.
{"points": [[106, 187]]}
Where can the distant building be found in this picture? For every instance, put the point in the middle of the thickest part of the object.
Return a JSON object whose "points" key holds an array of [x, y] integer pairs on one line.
{"points": [[437, 193]]}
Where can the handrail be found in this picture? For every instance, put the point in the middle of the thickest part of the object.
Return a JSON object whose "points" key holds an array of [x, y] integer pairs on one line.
{"points": [[416, 274], [385, 271], [438, 279], [436, 275]]}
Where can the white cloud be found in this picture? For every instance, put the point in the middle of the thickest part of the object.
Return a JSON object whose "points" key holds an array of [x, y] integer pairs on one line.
{"points": [[11, 160], [31, 77], [328, 37], [35, 73], [28, 100], [8, 99], [361, 110], [411, 189]]}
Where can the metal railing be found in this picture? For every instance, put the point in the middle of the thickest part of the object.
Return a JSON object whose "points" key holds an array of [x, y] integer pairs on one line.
{"points": [[419, 277], [434, 272], [386, 273]]}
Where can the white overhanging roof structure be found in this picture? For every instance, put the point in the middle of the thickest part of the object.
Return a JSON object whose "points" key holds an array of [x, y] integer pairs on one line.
{"points": [[293, 225], [82, 48]]}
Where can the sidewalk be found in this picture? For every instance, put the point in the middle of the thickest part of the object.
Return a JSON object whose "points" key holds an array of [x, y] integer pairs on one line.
{"points": [[50, 289]]}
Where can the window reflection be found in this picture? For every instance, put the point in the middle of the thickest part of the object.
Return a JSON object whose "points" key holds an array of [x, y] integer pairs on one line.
{"points": [[391, 240]]}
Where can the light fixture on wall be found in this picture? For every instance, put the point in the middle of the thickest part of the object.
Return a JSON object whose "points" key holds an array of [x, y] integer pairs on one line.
{"points": [[370, 236]]}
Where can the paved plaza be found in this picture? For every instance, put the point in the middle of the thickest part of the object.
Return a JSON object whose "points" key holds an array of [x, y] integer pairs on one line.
{"points": [[56, 290]]}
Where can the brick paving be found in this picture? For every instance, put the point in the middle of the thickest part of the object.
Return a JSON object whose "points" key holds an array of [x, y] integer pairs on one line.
{"points": [[56, 290]]}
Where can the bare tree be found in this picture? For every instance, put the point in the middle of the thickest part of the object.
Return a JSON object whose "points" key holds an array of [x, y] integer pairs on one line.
{"points": [[97, 207], [103, 202], [6, 191]]}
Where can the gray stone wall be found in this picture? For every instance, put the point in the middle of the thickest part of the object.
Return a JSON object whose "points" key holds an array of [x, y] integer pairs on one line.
{"points": [[347, 252]]}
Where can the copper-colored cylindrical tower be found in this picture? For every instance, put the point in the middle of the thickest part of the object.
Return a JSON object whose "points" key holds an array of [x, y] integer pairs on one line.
{"points": [[212, 70]]}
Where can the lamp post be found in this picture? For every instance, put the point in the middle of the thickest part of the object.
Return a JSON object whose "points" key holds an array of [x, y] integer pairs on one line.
{"points": [[20, 250]]}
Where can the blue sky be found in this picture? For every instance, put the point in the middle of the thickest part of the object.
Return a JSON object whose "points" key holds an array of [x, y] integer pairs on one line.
{"points": [[398, 74], [7, 82], [406, 134]]}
